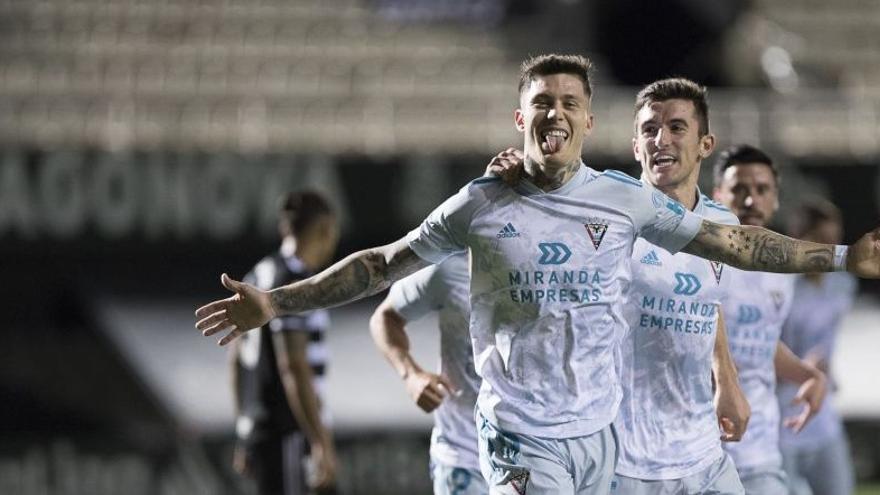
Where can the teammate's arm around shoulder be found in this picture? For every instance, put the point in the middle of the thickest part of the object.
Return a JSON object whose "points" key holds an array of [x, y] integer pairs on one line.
{"points": [[755, 248], [359, 275], [507, 164], [388, 328]]}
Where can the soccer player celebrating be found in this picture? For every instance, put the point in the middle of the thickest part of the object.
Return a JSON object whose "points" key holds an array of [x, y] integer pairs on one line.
{"points": [[546, 305], [669, 441], [746, 181], [452, 393], [666, 426]]}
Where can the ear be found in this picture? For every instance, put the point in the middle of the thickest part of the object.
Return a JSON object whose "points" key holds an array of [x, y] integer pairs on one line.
{"points": [[635, 146], [707, 145], [519, 120], [588, 128]]}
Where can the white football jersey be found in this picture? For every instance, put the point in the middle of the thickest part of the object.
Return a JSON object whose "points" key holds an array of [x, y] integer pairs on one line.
{"points": [[811, 328], [757, 305], [444, 288], [549, 271], [667, 425]]}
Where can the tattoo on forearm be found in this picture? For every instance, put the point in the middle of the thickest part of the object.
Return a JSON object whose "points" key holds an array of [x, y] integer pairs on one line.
{"points": [[339, 283], [359, 275], [755, 248], [771, 251], [820, 260], [710, 229]]}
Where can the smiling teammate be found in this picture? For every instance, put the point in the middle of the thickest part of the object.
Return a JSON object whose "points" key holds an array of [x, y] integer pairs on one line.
{"points": [[747, 182]]}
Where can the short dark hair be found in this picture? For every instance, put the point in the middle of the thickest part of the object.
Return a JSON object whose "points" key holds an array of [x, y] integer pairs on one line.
{"points": [[739, 154], [677, 88], [554, 63], [298, 210], [812, 212]]}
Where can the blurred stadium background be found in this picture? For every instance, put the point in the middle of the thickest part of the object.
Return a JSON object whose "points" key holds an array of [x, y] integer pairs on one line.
{"points": [[143, 144]]}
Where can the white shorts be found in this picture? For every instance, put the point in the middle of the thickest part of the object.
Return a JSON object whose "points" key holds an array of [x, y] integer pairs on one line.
{"points": [[719, 478], [456, 480], [519, 464], [764, 481], [825, 469]]}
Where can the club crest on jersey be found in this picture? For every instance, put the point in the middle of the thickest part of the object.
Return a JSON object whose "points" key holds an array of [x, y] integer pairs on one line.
{"points": [[596, 229], [778, 299], [717, 269], [519, 482]]}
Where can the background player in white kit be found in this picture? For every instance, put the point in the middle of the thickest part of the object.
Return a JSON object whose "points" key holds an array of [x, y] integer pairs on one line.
{"points": [[746, 181], [817, 460], [667, 429], [451, 393], [545, 306]]}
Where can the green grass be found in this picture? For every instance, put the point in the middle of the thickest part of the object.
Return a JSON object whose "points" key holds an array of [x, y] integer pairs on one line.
{"points": [[868, 489]]}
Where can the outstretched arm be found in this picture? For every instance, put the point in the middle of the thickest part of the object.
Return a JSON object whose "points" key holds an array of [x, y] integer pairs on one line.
{"points": [[813, 385], [359, 275], [387, 327], [754, 248]]}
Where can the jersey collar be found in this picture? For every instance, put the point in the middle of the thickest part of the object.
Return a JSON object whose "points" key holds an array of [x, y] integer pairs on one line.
{"points": [[528, 188]]}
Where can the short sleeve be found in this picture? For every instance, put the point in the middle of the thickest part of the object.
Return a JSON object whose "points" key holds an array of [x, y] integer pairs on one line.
{"points": [[418, 294], [444, 232], [670, 225]]}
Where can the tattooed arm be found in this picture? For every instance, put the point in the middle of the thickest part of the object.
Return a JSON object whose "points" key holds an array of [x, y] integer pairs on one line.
{"points": [[755, 248], [359, 275]]}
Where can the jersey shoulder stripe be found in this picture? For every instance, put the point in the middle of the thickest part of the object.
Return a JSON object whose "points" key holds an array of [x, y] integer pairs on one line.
{"points": [[621, 177], [714, 204]]}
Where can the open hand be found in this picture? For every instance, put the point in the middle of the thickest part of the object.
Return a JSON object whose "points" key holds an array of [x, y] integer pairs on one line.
{"points": [[249, 308], [811, 394]]}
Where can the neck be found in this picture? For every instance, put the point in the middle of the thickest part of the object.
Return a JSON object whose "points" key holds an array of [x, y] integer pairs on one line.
{"points": [[815, 278], [289, 247], [684, 192], [550, 178]]}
